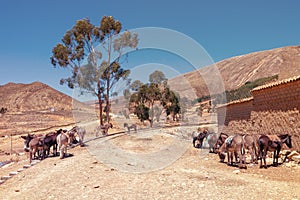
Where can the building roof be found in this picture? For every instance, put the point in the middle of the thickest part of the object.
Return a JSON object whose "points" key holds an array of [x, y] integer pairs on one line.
{"points": [[236, 101], [284, 81]]}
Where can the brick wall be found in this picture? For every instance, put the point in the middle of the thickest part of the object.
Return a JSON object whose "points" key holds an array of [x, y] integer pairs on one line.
{"points": [[274, 109]]}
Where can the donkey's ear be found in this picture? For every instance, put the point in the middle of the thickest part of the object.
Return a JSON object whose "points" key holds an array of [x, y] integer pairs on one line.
{"points": [[24, 137]]}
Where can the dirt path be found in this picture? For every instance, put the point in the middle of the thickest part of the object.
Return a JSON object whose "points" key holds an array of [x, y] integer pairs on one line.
{"points": [[195, 175]]}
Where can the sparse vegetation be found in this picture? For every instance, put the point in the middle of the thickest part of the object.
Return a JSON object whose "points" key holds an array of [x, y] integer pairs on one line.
{"points": [[240, 93], [146, 98]]}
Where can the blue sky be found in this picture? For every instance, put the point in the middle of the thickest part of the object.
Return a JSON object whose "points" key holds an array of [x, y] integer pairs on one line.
{"points": [[30, 29]]}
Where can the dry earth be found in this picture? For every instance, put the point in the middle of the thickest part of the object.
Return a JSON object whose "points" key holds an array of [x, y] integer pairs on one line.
{"points": [[196, 174]]}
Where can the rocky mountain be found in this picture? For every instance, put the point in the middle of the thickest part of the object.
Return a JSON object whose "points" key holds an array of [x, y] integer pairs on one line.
{"points": [[236, 71]]}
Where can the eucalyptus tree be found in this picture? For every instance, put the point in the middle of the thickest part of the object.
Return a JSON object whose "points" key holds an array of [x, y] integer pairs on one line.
{"points": [[157, 77], [171, 102], [93, 53]]}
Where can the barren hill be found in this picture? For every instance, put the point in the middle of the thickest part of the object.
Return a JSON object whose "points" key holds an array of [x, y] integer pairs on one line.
{"points": [[36, 106], [33, 97], [236, 71]]}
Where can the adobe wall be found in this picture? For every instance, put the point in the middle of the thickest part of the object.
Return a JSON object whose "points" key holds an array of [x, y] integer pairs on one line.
{"points": [[236, 111], [275, 110], [282, 97]]}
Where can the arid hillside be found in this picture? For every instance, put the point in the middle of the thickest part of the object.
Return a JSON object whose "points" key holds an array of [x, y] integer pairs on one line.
{"points": [[36, 106], [36, 96], [236, 71]]}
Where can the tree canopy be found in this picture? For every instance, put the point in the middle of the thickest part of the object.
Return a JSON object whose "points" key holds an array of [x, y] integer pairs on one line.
{"points": [[148, 95], [157, 77], [93, 53]]}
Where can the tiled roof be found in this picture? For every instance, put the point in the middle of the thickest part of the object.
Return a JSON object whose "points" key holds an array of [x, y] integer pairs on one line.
{"points": [[269, 85], [235, 102]]}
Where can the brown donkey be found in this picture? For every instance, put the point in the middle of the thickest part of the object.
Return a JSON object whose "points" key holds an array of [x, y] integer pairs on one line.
{"points": [[233, 146], [272, 143]]}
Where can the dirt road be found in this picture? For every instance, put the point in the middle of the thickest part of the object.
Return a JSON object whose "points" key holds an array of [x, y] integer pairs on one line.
{"points": [[196, 174]]}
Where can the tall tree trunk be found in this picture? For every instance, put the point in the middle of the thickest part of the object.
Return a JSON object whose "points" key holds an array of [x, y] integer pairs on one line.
{"points": [[108, 79], [100, 103], [151, 114], [100, 110]]}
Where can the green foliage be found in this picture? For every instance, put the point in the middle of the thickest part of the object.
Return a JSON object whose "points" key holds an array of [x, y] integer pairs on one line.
{"points": [[170, 102], [136, 85], [84, 43], [148, 95], [142, 112], [157, 77], [242, 92]]}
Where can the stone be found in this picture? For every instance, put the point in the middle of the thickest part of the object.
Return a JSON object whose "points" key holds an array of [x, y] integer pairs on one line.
{"points": [[236, 171], [26, 166], [296, 158], [13, 173], [293, 153], [20, 170], [5, 177]]}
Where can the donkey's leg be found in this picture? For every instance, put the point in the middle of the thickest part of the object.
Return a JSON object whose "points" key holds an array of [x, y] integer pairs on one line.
{"points": [[61, 151], [228, 158], [251, 150], [30, 156], [264, 157], [276, 155]]}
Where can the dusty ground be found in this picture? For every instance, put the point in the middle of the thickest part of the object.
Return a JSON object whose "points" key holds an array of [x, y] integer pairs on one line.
{"points": [[196, 174]]}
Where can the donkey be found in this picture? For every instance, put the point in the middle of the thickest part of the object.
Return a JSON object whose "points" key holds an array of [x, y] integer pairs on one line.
{"points": [[34, 145], [80, 131], [233, 146], [272, 143], [200, 137], [133, 126], [221, 139], [211, 139], [50, 140], [63, 140], [250, 144], [104, 129]]}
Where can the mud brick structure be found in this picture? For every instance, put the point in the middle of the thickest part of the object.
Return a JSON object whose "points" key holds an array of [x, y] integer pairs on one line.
{"points": [[273, 109]]}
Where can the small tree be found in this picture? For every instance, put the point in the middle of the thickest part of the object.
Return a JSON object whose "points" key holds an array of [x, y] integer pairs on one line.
{"points": [[150, 94], [147, 95], [170, 102]]}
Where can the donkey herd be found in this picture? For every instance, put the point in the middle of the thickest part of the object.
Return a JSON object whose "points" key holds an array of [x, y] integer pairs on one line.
{"points": [[39, 145], [237, 145]]}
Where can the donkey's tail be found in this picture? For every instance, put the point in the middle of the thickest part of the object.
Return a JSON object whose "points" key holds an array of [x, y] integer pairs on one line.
{"points": [[243, 146]]}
